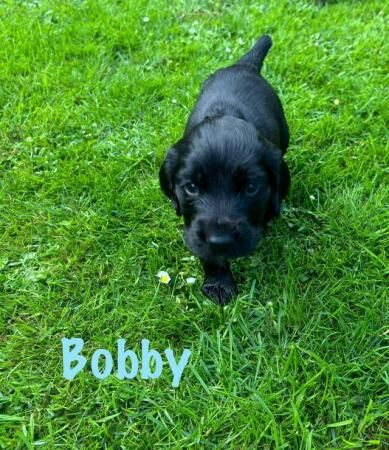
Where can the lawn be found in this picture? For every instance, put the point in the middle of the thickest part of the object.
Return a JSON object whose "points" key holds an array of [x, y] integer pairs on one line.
{"points": [[92, 93]]}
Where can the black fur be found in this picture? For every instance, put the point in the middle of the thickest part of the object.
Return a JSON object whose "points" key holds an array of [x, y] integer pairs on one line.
{"points": [[227, 176]]}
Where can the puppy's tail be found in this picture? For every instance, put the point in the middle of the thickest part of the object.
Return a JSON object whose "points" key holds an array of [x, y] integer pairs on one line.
{"points": [[257, 54]]}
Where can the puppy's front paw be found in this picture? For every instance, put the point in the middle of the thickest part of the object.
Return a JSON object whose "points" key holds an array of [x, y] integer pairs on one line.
{"points": [[220, 290]]}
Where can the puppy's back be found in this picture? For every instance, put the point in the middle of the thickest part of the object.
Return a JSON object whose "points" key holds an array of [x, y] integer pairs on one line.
{"points": [[240, 91]]}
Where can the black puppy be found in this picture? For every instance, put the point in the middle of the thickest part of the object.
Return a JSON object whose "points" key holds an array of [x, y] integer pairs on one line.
{"points": [[227, 176]]}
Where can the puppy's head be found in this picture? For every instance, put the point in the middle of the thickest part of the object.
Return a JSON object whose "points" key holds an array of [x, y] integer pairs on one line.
{"points": [[224, 179]]}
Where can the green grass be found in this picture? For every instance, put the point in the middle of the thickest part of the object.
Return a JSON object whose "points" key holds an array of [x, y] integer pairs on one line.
{"points": [[91, 96]]}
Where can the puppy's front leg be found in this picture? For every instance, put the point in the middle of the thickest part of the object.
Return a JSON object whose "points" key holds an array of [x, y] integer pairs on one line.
{"points": [[219, 284]]}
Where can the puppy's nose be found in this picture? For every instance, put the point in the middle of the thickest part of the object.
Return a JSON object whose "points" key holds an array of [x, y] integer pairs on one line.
{"points": [[220, 241]]}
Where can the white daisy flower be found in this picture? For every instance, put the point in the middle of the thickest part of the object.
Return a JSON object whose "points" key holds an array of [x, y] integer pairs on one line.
{"points": [[163, 277]]}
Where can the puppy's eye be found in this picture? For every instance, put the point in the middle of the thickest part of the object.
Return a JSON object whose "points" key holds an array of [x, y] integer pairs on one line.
{"points": [[191, 189], [252, 188]]}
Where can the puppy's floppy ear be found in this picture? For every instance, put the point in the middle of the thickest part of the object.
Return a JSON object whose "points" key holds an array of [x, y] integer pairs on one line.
{"points": [[271, 159], [277, 170], [167, 174]]}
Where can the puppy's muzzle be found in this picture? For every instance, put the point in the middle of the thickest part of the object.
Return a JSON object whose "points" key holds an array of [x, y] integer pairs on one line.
{"points": [[220, 234]]}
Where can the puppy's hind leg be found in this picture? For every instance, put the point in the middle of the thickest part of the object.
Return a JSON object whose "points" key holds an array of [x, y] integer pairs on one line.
{"points": [[219, 284]]}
